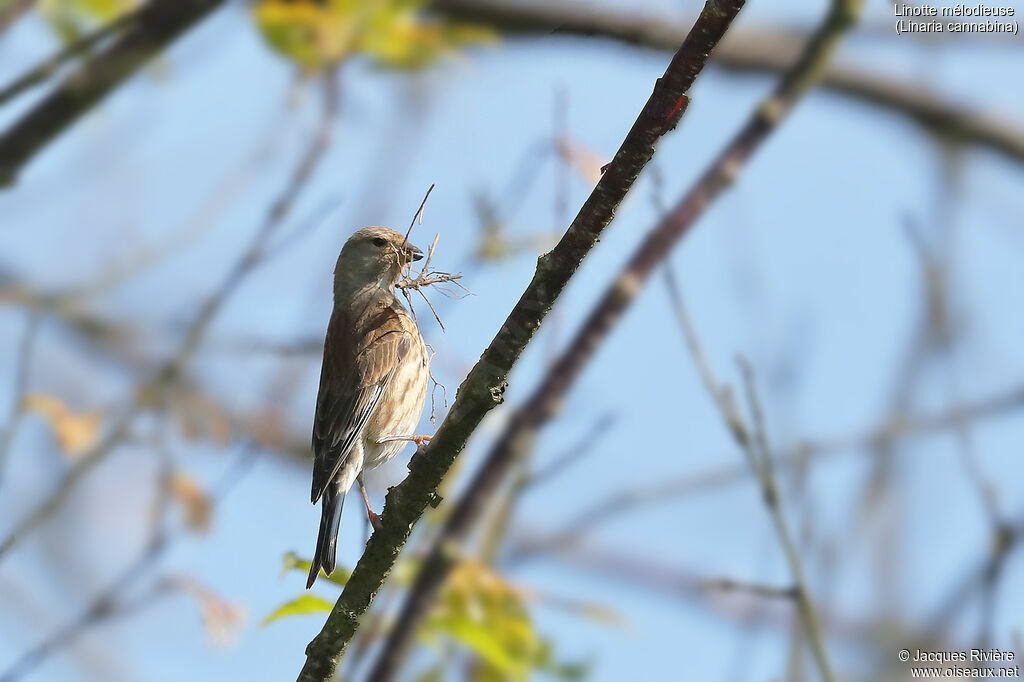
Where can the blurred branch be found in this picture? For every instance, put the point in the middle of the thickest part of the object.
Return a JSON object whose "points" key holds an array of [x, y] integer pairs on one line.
{"points": [[22, 362], [741, 601], [753, 441], [625, 286], [13, 11], [172, 369], [482, 390], [147, 31], [676, 487], [763, 51], [982, 579], [46, 68], [571, 455], [110, 603]]}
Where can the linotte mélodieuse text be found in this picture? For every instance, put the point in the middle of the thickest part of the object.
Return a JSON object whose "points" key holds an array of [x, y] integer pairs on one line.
{"points": [[958, 18], [973, 655]]}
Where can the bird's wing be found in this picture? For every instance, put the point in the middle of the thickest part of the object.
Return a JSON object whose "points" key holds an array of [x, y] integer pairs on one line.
{"points": [[360, 357]]}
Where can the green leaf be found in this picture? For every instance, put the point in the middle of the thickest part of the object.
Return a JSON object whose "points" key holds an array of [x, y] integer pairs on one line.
{"points": [[393, 33], [483, 642], [545, 662], [301, 605], [293, 562]]}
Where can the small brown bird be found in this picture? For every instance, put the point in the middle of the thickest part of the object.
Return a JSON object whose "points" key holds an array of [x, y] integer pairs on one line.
{"points": [[373, 382]]}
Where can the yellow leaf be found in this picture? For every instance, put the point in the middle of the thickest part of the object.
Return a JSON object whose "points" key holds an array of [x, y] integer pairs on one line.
{"points": [[193, 499], [222, 619], [582, 158], [75, 433], [199, 416], [393, 33]]}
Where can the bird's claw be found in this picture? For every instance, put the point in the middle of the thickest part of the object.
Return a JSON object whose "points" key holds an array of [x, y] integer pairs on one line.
{"points": [[417, 438]]}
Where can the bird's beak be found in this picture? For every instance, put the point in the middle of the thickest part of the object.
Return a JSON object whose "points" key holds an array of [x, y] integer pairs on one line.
{"points": [[414, 253]]}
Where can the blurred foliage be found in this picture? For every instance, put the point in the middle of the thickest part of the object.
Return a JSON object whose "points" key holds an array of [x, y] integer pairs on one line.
{"points": [[199, 417], [292, 562], [222, 619], [392, 33], [194, 500], [302, 605], [487, 615], [71, 18], [74, 432], [478, 611]]}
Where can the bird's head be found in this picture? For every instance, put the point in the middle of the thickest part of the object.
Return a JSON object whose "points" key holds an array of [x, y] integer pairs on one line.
{"points": [[373, 255]]}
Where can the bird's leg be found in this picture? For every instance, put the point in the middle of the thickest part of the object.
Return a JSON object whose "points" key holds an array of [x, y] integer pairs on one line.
{"points": [[417, 438], [370, 514]]}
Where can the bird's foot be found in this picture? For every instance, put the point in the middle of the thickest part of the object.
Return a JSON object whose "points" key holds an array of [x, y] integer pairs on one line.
{"points": [[374, 519], [417, 438], [373, 516]]}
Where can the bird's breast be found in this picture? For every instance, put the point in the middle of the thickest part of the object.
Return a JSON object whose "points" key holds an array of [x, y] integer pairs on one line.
{"points": [[401, 406]]}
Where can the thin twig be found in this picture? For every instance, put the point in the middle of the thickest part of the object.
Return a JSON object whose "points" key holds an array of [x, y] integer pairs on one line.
{"points": [[12, 11], [753, 442], [559, 463], [23, 362], [427, 277], [46, 68], [687, 483], [418, 215], [760, 52], [110, 602], [156, 24]]}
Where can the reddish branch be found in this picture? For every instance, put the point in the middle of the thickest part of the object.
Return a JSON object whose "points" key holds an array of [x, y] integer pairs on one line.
{"points": [[543, 403], [484, 386]]}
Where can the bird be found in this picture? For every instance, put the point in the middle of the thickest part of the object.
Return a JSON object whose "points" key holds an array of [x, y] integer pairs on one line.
{"points": [[373, 381]]}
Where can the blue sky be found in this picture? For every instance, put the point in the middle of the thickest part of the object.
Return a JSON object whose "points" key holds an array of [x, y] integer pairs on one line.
{"points": [[803, 267]]}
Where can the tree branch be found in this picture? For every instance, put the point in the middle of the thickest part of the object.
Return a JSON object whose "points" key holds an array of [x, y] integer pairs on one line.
{"points": [[800, 455], [46, 68], [110, 601], [764, 51], [148, 31], [23, 361], [484, 386], [544, 402], [14, 11]]}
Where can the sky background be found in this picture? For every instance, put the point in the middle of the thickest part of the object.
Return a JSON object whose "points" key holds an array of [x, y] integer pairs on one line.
{"points": [[804, 267]]}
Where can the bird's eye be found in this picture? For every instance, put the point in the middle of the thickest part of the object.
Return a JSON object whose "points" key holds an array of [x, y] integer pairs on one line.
{"points": [[379, 241]]}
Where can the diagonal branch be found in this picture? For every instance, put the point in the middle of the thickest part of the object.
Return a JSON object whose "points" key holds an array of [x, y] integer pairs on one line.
{"points": [[484, 386], [49, 66], [147, 31], [13, 11], [543, 403], [23, 361]]}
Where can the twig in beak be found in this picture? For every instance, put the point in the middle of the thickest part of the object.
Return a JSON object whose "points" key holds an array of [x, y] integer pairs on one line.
{"points": [[418, 214]]}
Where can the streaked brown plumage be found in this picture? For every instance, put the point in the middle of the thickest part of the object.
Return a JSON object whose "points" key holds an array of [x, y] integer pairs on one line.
{"points": [[373, 382]]}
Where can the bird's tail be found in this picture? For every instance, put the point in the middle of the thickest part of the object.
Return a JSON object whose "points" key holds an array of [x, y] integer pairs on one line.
{"points": [[327, 539]]}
